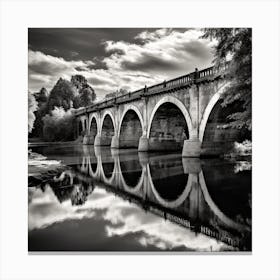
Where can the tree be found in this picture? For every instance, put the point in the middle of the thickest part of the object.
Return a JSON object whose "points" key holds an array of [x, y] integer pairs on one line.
{"points": [[86, 97], [86, 92], [59, 125], [42, 99], [62, 95], [32, 107], [41, 96], [235, 45]]}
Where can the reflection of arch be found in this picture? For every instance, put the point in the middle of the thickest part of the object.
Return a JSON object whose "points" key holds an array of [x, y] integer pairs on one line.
{"points": [[90, 171], [136, 110], [130, 189], [226, 220], [209, 109], [102, 174], [175, 203], [179, 104], [108, 112]]}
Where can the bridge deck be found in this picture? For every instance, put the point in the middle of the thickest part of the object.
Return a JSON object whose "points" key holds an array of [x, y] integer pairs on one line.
{"points": [[179, 82]]}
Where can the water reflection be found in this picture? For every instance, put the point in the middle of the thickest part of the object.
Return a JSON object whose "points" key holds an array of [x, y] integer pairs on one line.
{"points": [[206, 197]]}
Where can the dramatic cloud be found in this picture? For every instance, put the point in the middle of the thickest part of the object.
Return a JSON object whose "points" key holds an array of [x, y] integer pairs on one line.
{"points": [[45, 70], [164, 53], [138, 58]]}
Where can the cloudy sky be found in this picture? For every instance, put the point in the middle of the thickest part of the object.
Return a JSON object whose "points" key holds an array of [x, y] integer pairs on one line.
{"points": [[114, 58]]}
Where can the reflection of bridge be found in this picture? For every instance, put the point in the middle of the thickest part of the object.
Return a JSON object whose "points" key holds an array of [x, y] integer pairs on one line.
{"points": [[192, 207], [182, 113]]}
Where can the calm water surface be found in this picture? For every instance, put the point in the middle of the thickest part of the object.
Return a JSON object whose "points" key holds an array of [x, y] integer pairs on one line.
{"points": [[83, 198]]}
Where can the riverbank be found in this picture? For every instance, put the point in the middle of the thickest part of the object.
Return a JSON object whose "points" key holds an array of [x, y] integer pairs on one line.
{"points": [[44, 143]]}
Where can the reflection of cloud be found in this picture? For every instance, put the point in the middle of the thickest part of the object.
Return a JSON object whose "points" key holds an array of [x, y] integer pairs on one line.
{"points": [[45, 70], [123, 219], [158, 232], [44, 209]]}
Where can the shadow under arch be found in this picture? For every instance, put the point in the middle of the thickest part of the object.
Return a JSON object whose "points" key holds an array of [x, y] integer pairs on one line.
{"points": [[131, 127], [176, 102], [108, 120], [226, 220], [175, 203], [131, 107], [80, 124], [93, 125], [110, 114]]}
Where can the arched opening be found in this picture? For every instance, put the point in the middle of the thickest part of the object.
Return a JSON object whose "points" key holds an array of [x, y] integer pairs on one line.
{"points": [[107, 131], [168, 177], [80, 128], [169, 128], [131, 130], [93, 127], [218, 137]]}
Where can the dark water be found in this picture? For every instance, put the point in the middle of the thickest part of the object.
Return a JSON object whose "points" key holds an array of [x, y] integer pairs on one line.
{"points": [[121, 200]]}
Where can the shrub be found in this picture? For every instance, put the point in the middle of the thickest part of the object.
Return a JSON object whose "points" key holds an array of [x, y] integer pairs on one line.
{"points": [[59, 125], [32, 107]]}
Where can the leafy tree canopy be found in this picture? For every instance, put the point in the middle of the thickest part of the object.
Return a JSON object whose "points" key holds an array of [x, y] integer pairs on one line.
{"points": [[62, 95], [235, 45], [41, 96], [86, 93], [59, 125]]}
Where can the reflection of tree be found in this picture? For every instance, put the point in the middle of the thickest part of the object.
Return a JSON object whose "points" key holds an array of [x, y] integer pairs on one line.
{"points": [[65, 185], [68, 186], [80, 193]]}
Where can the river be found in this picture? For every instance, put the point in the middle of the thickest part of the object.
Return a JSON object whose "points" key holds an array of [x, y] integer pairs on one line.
{"points": [[82, 198]]}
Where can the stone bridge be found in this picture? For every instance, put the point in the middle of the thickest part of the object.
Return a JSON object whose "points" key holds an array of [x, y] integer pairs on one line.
{"points": [[183, 113]]}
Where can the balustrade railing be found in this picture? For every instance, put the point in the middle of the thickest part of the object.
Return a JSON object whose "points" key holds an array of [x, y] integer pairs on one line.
{"points": [[179, 81]]}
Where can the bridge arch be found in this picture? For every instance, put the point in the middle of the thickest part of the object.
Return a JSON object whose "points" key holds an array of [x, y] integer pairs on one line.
{"points": [[93, 118], [178, 103], [107, 128], [211, 104], [105, 114], [136, 110], [82, 125], [131, 127], [175, 134]]}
